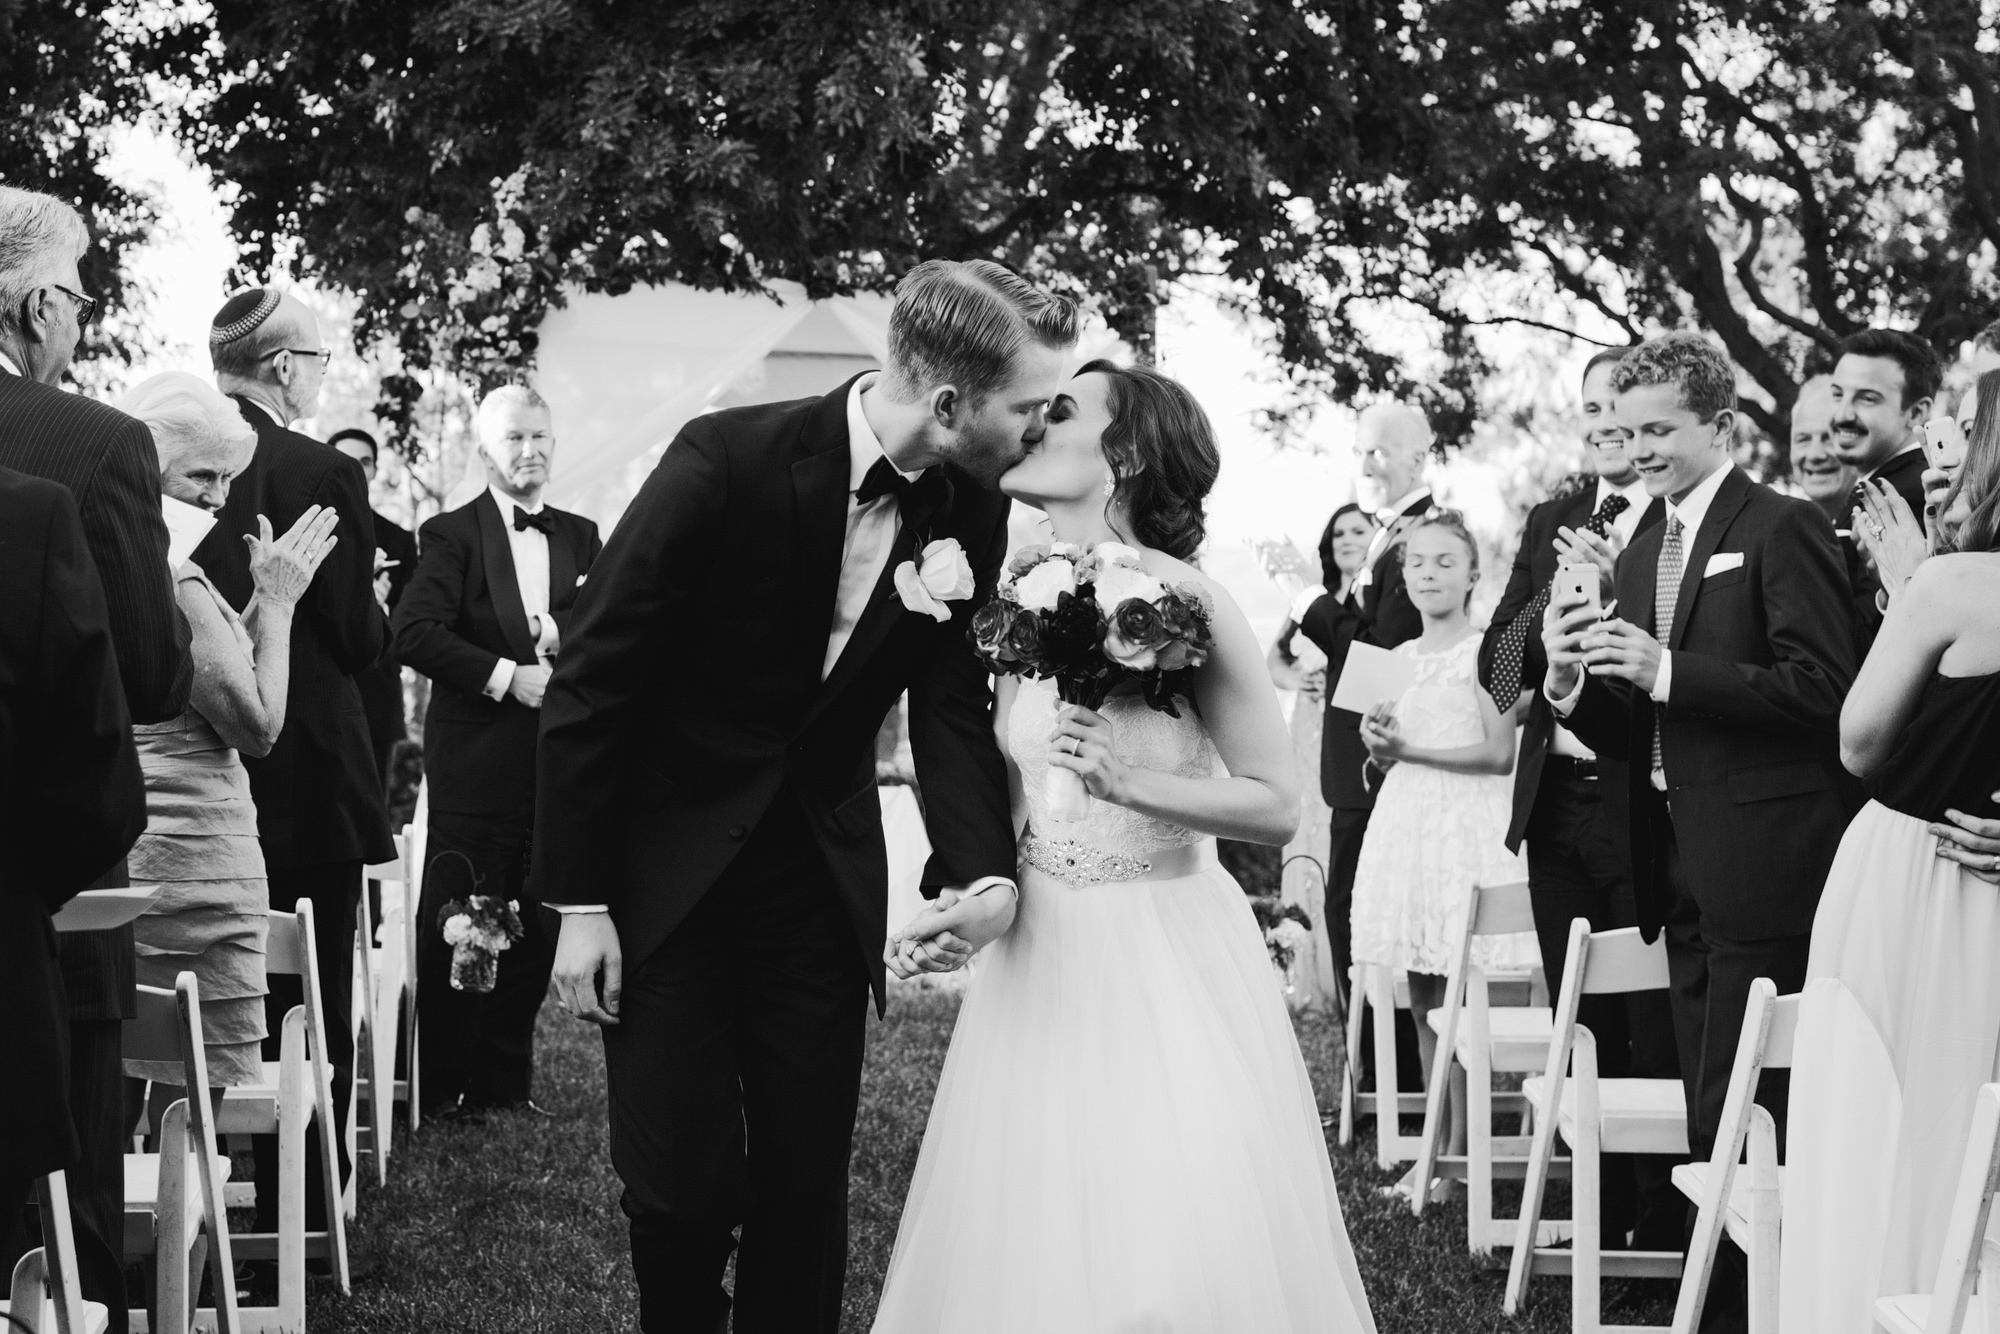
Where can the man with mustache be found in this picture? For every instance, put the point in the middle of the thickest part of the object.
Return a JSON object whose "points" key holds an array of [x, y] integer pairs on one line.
{"points": [[1883, 386]]}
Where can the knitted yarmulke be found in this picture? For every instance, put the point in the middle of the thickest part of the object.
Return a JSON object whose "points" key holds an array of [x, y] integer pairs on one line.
{"points": [[242, 313]]}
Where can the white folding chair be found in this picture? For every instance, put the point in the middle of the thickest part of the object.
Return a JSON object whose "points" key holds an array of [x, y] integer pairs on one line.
{"points": [[1476, 1040], [378, 987], [1384, 992], [173, 1214], [416, 841], [1969, 1265], [296, 1092], [1749, 1210], [46, 1296], [1594, 1117]]}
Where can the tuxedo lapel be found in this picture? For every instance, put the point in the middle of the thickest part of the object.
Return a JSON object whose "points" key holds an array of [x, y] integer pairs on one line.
{"points": [[884, 606], [563, 543], [1637, 601], [819, 497], [497, 555], [1729, 498]]}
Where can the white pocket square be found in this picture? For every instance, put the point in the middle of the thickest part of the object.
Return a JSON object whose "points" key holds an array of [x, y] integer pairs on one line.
{"points": [[1720, 561]]}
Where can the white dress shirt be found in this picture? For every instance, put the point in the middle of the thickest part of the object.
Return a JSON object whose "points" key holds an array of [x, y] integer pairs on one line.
{"points": [[1564, 741], [7, 364], [530, 548], [1690, 512], [871, 535]]}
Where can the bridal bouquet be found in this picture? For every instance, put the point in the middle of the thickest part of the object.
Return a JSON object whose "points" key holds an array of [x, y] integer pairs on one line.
{"points": [[477, 928], [1090, 619]]}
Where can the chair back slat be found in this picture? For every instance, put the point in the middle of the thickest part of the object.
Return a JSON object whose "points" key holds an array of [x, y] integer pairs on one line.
{"points": [[59, 1252], [208, 1163], [1784, 1033], [153, 1033], [1503, 910], [1958, 1264], [1619, 961], [285, 945]]}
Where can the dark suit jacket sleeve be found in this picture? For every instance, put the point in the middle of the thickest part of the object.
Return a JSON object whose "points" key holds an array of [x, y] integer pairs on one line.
{"points": [[1519, 592], [958, 757], [429, 608], [343, 592], [1804, 596], [626, 617], [120, 506], [88, 800]]}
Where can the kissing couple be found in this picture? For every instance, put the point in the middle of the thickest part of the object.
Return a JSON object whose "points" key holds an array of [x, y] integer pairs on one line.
{"points": [[1124, 1136]]}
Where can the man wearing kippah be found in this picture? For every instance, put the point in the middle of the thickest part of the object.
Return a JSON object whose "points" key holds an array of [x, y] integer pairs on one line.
{"points": [[320, 812]]}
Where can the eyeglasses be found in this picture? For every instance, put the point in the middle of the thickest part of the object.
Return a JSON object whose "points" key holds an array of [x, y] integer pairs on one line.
{"points": [[86, 306], [324, 354]]}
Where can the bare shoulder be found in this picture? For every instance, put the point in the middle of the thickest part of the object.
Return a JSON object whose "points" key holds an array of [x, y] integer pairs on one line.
{"points": [[1955, 583]]}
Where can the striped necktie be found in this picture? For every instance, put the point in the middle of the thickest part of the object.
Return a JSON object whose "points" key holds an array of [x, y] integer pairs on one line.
{"points": [[1666, 592]]}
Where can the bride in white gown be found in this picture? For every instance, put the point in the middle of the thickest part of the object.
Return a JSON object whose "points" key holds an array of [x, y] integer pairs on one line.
{"points": [[1124, 1139]]}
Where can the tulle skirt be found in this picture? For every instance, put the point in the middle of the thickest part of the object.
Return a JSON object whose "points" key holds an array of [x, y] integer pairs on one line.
{"points": [[1899, 1025], [1124, 1139]]}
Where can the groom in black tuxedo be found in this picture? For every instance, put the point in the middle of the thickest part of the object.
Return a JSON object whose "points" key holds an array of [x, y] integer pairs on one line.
{"points": [[1719, 685], [706, 813], [483, 617]]}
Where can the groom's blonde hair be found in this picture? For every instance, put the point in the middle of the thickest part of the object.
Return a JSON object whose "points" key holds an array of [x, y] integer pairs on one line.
{"points": [[960, 322]]}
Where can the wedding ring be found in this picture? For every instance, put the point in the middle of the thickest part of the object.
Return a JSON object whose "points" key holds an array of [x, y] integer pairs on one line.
{"points": [[1075, 744]]}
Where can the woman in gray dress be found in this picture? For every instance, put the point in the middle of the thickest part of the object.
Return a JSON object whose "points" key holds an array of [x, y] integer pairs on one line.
{"points": [[200, 844]]}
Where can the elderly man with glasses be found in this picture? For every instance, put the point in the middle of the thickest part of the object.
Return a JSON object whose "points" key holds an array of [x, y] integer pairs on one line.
{"points": [[107, 461], [320, 812]]}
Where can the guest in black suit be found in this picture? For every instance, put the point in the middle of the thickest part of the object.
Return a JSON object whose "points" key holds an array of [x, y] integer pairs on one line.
{"points": [[1826, 479], [107, 461], [483, 618], [71, 804], [1578, 861], [1883, 387], [707, 773], [1720, 685], [320, 815], [1394, 441], [395, 563]]}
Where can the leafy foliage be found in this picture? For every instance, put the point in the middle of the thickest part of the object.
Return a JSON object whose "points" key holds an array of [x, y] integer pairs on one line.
{"points": [[66, 85]]}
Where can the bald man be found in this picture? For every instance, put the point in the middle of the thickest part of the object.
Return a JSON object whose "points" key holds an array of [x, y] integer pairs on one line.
{"points": [[320, 813], [1393, 440]]}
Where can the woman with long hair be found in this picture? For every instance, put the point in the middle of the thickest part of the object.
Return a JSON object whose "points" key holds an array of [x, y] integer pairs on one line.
{"points": [[1900, 1021]]}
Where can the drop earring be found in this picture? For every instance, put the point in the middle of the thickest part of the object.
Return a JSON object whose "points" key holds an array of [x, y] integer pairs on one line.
{"points": [[1110, 486]]}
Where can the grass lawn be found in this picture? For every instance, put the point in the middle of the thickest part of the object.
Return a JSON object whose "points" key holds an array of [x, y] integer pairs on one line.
{"points": [[514, 1226]]}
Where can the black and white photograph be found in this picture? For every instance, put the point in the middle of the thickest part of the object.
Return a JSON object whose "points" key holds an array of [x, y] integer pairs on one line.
{"points": [[853, 667]]}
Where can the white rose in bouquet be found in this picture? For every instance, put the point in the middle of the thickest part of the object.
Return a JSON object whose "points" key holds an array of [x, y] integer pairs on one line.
{"points": [[1038, 589], [1115, 583]]}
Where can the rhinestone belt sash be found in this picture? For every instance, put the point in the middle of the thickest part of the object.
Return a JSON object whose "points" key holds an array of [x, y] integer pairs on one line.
{"points": [[1081, 864]]}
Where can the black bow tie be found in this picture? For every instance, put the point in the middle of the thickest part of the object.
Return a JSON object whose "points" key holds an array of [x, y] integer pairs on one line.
{"points": [[541, 519], [928, 493]]}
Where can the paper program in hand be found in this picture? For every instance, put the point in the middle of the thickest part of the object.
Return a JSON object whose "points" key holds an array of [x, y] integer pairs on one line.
{"points": [[1372, 676]]}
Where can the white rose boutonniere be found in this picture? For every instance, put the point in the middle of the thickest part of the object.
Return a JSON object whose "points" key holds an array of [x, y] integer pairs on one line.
{"points": [[945, 577]]}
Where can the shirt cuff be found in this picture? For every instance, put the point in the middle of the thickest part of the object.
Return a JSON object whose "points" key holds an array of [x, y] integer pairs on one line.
{"points": [[1303, 602], [1664, 682], [984, 883], [545, 641], [1565, 706], [499, 679], [567, 908]]}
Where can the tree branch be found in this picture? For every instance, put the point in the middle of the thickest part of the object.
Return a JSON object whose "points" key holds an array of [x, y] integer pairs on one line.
{"points": [[1578, 286], [1746, 273]]}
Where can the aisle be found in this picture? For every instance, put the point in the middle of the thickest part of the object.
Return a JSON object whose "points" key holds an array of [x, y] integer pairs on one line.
{"points": [[513, 1227]]}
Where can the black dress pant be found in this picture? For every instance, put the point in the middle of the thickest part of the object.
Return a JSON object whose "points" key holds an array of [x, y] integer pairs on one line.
{"points": [[479, 1045], [334, 889], [734, 1076], [1711, 976], [1580, 867]]}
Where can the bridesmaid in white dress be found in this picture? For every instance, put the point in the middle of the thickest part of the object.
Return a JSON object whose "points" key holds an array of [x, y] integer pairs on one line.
{"points": [[1125, 1139], [1899, 1024]]}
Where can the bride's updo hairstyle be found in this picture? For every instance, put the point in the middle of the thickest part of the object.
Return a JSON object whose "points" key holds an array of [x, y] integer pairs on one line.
{"points": [[1162, 454]]}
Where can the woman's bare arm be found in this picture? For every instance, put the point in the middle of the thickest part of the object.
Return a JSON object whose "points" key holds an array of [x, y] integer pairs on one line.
{"points": [[240, 679]]}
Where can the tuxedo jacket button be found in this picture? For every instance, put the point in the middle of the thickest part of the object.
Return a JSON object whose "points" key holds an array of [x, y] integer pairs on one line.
{"points": [[737, 831]]}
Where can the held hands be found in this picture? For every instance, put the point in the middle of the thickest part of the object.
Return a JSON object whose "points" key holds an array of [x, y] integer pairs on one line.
{"points": [[1971, 842], [530, 680], [1580, 546], [949, 931], [587, 949], [283, 569], [1382, 734], [1082, 743], [1890, 534]]}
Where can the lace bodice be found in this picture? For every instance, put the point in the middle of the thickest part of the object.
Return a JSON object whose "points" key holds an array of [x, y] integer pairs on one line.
{"points": [[1145, 738], [1441, 707]]}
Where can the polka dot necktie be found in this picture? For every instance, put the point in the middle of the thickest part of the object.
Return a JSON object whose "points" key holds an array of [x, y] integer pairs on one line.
{"points": [[1511, 650], [1666, 593]]}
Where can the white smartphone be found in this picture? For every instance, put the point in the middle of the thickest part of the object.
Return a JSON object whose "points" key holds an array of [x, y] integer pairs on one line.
{"points": [[1574, 580], [1944, 443]]}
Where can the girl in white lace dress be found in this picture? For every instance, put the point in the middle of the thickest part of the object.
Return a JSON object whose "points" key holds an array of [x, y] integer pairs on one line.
{"points": [[1440, 821], [1125, 1139]]}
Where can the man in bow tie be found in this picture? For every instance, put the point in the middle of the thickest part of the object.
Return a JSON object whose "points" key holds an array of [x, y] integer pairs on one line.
{"points": [[1578, 862], [483, 617], [1718, 683]]}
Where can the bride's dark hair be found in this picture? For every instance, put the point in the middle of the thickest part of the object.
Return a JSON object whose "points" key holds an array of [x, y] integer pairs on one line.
{"points": [[1162, 454]]}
